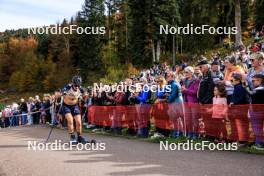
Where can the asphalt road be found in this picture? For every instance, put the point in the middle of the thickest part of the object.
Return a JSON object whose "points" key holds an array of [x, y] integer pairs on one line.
{"points": [[121, 157]]}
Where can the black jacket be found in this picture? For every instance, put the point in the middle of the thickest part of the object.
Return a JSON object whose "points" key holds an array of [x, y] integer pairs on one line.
{"points": [[240, 95], [23, 107], [258, 96], [206, 89]]}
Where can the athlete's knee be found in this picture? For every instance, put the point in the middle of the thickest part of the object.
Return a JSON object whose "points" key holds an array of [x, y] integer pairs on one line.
{"points": [[78, 120], [69, 119]]}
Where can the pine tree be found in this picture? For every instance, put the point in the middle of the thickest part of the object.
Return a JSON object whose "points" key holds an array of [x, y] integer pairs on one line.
{"points": [[259, 15], [90, 46]]}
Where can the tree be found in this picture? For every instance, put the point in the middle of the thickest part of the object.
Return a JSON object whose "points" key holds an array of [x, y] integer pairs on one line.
{"points": [[146, 17], [238, 40], [259, 15], [89, 46]]}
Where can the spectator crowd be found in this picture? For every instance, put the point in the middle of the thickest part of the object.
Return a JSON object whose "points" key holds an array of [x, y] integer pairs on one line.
{"points": [[218, 85]]}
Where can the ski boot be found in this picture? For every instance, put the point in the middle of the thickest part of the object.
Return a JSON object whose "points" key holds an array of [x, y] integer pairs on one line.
{"points": [[73, 139]]}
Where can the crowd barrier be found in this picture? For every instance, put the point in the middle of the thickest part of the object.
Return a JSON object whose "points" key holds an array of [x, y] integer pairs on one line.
{"points": [[236, 123]]}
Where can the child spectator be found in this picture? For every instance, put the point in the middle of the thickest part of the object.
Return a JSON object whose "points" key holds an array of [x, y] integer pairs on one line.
{"points": [[239, 114], [220, 110]]}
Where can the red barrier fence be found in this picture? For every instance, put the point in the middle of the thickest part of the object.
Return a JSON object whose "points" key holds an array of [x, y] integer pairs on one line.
{"points": [[237, 123]]}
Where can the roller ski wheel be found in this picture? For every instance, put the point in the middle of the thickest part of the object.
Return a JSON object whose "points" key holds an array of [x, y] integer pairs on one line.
{"points": [[73, 140], [85, 141], [93, 141]]}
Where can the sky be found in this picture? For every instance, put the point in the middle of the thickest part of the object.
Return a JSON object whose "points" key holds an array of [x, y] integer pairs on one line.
{"points": [[15, 14]]}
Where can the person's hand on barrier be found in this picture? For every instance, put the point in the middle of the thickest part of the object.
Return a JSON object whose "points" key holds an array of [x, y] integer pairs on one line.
{"points": [[157, 101], [231, 104], [209, 110]]}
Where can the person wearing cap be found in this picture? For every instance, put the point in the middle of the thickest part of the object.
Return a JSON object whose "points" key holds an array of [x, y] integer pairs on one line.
{"points": [[72, 93], [206, 87], [206, 94], [217, 75], [257, 68]]}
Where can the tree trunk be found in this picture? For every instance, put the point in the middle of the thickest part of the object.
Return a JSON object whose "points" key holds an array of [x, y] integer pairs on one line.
{"points": [[153, 51], [238, 40], [158, 51], [173, 50]]}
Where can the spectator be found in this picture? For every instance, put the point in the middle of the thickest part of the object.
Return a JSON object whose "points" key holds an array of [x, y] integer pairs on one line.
{"points": [[190, 89], [256, 110], [217, 75], [197, 72], [143, 109], [47, 105], [231, 67], [1, 121], [15, 112], [31, 107], [206, 88], [238, 113], [7, 115], [175, 106], [118, 112], [36, 115], [258, 68], [23, 110], [42, 113], [160, 99], [220, 111], [160, 93]]}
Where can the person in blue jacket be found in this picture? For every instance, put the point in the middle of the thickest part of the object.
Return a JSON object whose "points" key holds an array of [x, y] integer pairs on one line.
{"points": [[143, 110], [175, 108]]}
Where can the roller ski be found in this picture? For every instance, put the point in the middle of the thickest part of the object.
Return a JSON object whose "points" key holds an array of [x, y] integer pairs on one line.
{"points": [[80, 139], [83, 140]]}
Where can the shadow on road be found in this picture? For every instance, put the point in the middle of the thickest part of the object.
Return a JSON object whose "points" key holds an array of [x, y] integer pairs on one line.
{"points": [[133, 157]]}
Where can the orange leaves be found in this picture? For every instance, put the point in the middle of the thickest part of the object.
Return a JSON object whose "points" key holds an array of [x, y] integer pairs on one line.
{"points": [[22, 45]]}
